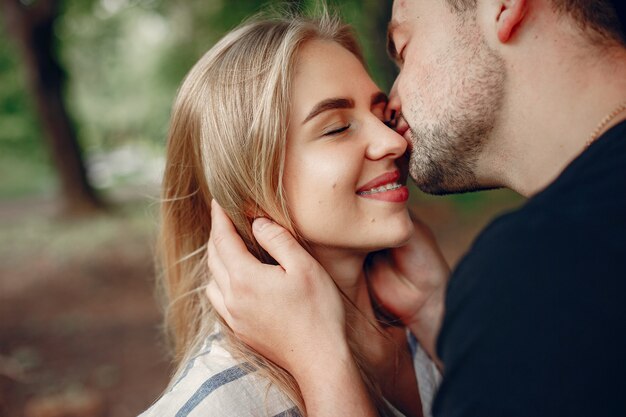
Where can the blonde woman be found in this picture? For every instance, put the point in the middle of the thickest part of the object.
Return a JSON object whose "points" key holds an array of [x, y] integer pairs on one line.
{"points": [[280, 119]]}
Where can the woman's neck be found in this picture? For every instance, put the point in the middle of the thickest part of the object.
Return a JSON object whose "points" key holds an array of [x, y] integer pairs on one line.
{"points": [[384, 349], [347, 270]]}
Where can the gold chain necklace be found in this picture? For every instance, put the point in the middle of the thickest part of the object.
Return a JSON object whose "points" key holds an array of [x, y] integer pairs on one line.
{"points": [[609, 117]]}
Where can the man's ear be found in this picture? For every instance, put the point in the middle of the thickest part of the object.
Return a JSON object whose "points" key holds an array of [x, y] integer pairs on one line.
{"points": [[511, 14]]}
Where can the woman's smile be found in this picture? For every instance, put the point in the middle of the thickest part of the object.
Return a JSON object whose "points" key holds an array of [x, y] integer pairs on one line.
{"points": [[385, 187]]}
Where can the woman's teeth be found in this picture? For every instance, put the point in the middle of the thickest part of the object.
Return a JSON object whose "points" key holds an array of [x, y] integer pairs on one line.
{"points": [[382, 188]]}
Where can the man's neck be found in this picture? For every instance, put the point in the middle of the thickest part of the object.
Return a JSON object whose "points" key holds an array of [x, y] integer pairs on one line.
{"points": [[551, 113]]}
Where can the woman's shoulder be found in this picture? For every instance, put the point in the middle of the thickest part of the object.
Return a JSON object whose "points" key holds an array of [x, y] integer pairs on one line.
{"points": [[214, 383]]}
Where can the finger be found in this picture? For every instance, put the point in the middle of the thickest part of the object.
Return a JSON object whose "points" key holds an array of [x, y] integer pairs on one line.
{"points": [[380, 270], [217, 300], [280, 244], [228, 244], [218, 271], [381, 278]]}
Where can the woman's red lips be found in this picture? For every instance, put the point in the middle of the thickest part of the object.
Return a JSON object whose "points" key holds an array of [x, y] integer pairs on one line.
{"points": [[386, 178]]}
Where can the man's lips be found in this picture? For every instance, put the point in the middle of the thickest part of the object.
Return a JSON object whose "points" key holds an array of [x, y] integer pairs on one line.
{"points": [[402, 128], [386, 178]]}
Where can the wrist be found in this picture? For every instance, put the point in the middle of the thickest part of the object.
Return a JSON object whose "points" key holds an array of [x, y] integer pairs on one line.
{"points": [[319, 358], [331, 384]]}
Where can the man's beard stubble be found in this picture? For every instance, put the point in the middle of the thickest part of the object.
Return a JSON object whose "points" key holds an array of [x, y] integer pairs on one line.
{"points": [[445, 154]]}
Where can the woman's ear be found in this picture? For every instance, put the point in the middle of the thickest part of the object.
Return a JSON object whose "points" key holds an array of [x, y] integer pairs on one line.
{"points": [[511, 14]]}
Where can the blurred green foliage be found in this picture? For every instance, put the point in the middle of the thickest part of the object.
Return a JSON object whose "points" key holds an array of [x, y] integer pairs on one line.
{"points": [[124, 60]]}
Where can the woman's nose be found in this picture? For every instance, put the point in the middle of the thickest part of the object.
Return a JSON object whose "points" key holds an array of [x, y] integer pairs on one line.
{"points": [[385, 142]]}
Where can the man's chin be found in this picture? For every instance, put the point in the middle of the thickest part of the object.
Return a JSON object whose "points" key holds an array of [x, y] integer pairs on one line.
{"points": [[441, 186], [450, 191]]}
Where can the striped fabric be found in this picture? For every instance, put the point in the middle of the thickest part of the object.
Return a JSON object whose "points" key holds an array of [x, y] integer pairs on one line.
{"points": [[215, 384]]}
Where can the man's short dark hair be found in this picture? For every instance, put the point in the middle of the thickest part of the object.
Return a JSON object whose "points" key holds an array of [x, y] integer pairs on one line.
{"points": [[597, 18]]}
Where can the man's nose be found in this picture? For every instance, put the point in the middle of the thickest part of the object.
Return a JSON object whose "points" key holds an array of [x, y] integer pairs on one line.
{"points": [[394, 107]]}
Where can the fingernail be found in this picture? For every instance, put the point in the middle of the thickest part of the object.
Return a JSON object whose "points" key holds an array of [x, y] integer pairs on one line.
{"points": [[260, 223]]}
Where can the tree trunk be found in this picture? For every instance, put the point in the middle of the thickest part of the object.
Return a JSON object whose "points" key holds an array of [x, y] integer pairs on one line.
{"points": [[31, 27]]}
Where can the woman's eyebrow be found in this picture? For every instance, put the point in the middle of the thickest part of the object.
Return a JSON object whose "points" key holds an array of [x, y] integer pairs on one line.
{"points": [[342, 103], [329, 104]]}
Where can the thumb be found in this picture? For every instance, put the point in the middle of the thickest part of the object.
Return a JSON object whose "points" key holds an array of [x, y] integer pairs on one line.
{"points": [[382, 278], [216, 298], [379, 268], [280, 244]]}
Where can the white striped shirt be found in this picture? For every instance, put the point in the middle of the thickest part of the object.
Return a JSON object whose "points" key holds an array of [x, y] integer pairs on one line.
{"points": [[214, 383]]}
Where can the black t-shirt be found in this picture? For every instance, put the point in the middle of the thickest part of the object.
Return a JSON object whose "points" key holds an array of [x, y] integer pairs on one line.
{"points": [[535, 321]]}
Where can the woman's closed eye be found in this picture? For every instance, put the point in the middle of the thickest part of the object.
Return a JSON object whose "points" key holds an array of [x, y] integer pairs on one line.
{"points": [[337, 131]]}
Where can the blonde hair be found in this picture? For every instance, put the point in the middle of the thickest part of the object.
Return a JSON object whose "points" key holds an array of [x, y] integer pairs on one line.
{"points": [[227, 141]]}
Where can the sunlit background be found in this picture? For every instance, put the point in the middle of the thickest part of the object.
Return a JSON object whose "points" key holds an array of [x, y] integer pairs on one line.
{"points": [[79, 322]]}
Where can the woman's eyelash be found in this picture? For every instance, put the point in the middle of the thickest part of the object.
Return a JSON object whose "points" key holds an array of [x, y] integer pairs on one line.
{"points": [[337, 131]]}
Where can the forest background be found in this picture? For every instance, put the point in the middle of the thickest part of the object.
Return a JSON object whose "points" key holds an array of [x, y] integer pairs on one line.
{"points": [[85, 93]]}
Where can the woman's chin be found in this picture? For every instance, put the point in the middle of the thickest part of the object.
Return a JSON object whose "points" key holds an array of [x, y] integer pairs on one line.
{"points": [[392, 241], [397, 233], [400, 232], [398, 242]]}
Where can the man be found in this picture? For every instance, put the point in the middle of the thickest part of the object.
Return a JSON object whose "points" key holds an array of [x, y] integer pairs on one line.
{"points": [[524, 94]]}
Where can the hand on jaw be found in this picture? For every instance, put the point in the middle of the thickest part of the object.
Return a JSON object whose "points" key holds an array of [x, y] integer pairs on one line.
{"points": [[410, 283], [293, 313], [277, 309]]}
